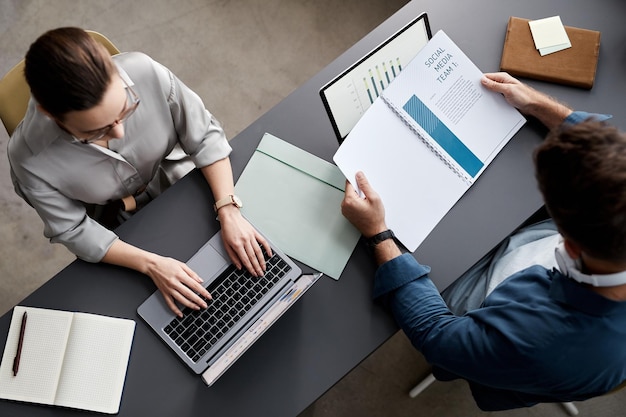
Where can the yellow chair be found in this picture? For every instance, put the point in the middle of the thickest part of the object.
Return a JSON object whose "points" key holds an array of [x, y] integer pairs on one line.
{"points": [[14, 91]]}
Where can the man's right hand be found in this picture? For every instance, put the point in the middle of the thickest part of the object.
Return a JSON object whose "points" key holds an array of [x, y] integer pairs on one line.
{"points": [[526, 99], [517, 94]]}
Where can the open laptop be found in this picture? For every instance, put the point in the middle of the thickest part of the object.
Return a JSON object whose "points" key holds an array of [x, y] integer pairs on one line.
{"points": [[347, 96], [209, 341]]}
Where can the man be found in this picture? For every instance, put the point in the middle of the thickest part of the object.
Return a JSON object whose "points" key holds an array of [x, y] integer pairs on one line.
{"points": [[543, 334], [94, 142]]}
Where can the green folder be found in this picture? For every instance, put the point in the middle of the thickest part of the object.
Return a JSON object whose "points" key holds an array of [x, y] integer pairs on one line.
{"points": [[294, 198]]}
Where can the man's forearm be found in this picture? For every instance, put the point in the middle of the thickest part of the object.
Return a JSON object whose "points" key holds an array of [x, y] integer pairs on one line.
{"points": [[548, 111], [386, 251]]}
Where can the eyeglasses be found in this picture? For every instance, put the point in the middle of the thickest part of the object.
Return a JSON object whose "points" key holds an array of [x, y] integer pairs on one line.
{"points": [[132, 102]]}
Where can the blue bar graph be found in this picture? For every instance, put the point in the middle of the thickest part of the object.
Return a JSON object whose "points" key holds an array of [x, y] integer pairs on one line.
{"points": [[369, 92], [380, 79], [386, 73], [375, 81], [443, 136]]}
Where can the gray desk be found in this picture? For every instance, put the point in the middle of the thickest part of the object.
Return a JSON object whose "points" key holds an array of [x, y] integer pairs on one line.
{"points": [[335, 326]]}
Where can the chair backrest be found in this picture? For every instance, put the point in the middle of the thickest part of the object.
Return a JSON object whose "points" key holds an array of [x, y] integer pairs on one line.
{"points": [[14, 91]]}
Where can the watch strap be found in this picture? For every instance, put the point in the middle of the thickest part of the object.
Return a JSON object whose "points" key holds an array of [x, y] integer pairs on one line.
{"points": [[380, 237], [230, 199]]}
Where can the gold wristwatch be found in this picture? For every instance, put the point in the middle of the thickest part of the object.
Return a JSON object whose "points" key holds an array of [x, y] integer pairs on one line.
{"points": [[230, 199]]}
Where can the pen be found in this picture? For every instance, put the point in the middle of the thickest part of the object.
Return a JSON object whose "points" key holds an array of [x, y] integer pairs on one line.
{"points": [[16, 361]]}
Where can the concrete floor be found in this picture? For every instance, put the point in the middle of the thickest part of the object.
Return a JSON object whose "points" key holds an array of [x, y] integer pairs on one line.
{"points": [[242, 57]]}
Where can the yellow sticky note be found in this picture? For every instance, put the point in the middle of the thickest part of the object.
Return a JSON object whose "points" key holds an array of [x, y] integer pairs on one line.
{"points": [[549, 35]]}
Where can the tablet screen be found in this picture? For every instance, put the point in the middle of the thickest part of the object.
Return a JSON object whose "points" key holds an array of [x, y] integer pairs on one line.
{"points": [[352, 92]]}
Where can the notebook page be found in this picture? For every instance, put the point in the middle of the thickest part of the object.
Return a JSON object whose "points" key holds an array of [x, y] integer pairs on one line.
{"points": [[417, 188], [441, 96], [434, 131], [43, 350], [94, 370]]}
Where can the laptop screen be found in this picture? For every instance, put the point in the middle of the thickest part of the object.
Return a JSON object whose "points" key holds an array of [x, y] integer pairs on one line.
{"points": [[351, 93]]}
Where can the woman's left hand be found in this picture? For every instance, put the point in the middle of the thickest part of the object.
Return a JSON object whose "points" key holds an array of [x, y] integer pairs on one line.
{"points": [[242, 241]]}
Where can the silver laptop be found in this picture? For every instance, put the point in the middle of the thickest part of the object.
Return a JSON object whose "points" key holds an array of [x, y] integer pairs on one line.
{"points": [[347, 96], [241, 308]]}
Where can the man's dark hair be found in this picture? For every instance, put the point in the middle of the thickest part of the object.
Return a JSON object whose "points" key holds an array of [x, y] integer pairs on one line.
{"points": [[67, 70], [581, 171]]}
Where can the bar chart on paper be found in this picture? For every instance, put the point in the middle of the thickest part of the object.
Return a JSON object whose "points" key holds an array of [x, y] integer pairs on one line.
{"points": [[377, 80], [441, 129], [350, 94], [367, 86], [359, 89], [374, 81]]}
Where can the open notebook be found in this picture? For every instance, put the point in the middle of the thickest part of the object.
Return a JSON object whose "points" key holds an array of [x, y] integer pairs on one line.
{"points": [[428, 137], [75, 360]]}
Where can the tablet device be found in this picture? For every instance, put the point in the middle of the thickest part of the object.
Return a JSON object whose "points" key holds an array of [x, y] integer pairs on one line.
{"points": [[347, 96]]}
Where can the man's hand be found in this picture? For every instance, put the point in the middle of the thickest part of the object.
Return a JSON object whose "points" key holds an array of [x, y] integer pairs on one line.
{"points": [[517, 94], [366, 214], [526, 99]]}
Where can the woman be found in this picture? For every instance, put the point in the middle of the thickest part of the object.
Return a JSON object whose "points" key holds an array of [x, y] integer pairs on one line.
{"points": [[94, 142]]}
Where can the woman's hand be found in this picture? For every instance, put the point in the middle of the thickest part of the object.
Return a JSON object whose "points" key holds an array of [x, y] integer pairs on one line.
{"points": [[242, 241], [178, 283]]}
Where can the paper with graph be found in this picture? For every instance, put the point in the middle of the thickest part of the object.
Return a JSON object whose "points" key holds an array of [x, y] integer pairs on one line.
{"points": [[430, 135]]}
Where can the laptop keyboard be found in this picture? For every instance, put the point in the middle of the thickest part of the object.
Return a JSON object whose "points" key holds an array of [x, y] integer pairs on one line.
{"points": [[234, 292]]}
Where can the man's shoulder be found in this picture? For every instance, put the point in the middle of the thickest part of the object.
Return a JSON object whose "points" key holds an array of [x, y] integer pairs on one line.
{"points": [[525, 292], [533, 276]]}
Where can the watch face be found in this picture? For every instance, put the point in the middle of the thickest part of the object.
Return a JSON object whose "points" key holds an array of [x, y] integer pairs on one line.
{"points": [[237, 201]]}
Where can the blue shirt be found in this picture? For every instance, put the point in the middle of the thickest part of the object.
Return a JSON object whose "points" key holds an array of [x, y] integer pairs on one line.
{"points": [[538, 337], [581, 116]]}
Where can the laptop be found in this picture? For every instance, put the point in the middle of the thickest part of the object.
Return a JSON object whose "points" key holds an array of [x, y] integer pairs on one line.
{"points": [[347, 96], [209, 341]]}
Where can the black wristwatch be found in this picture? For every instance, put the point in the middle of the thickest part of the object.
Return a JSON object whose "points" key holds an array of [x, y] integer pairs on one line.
{"points": [[380, 237]]}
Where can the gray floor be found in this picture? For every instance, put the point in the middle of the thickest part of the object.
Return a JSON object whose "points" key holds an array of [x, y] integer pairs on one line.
{"points": [[242, 57]]}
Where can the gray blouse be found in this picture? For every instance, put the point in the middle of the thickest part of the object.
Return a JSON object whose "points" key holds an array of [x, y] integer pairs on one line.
{"points": [[58, 176]]}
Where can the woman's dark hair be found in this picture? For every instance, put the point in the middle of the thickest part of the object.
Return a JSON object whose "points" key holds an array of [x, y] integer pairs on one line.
{"points": [[67, 70], [581, 171]]}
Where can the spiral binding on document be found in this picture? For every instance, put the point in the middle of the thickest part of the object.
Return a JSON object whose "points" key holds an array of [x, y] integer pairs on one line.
{"points": [[411, 124]]}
